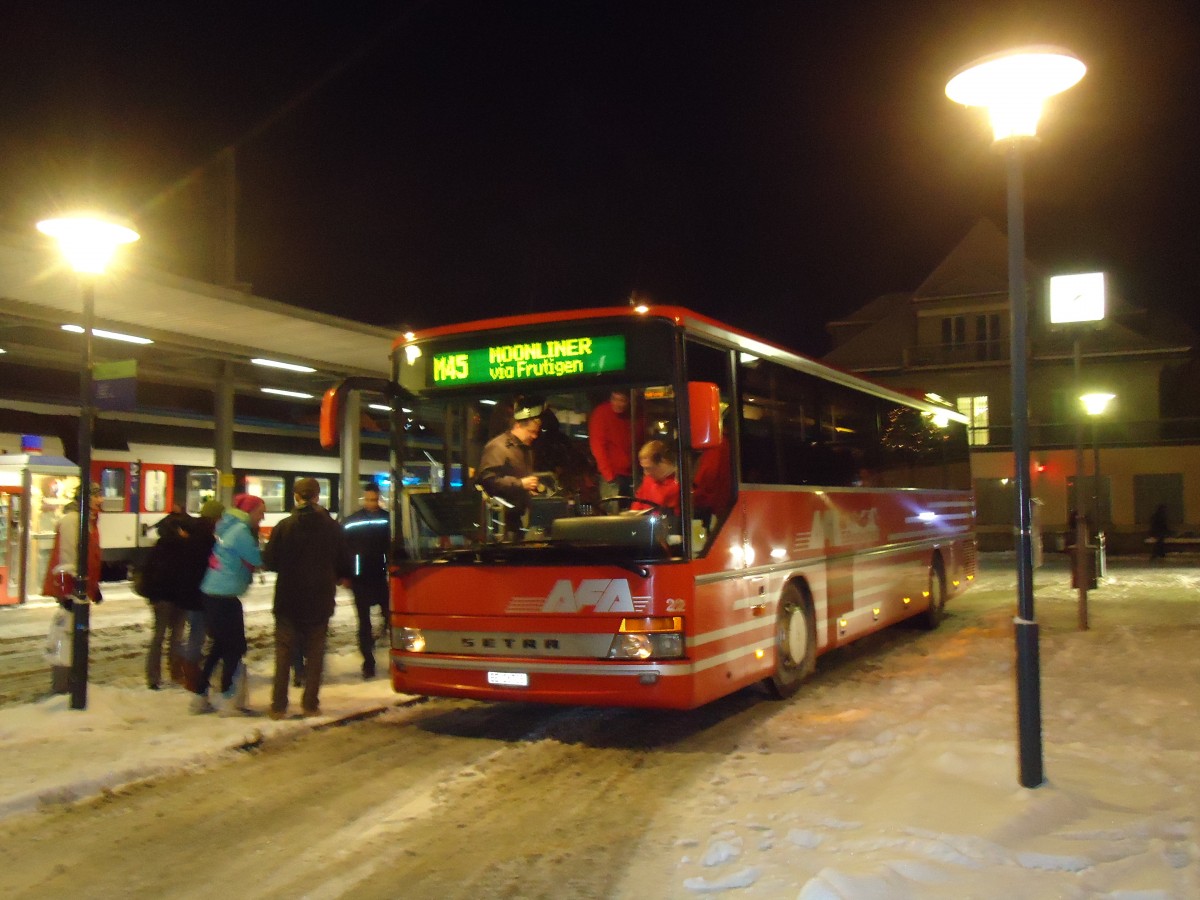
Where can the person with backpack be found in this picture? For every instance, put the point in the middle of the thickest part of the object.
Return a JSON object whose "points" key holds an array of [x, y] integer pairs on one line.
{"points": [[159, 581]]}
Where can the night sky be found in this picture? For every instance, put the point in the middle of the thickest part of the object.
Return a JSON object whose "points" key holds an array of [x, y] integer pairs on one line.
{"points": [[775, 165]]}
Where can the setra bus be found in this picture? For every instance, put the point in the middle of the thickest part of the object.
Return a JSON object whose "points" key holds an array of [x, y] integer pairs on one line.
{"points": [[815, 508]]}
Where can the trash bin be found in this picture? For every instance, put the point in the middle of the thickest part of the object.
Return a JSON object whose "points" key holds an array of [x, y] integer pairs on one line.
{"points": [[1091, 557]]}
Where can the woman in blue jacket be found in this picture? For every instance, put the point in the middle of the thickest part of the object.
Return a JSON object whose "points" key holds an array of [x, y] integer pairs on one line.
{"points": [[234, 558]]}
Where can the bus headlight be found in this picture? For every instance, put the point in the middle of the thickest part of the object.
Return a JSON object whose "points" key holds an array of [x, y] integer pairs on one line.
{"points": [[651, 638], [410, 640]]}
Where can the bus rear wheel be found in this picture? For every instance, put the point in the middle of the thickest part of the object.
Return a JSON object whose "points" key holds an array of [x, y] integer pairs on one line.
{"points": [[936, 611], [795, 644]]}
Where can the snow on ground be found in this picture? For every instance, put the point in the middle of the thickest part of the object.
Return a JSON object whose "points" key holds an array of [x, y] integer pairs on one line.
{"points": [[887, 778], [50, 753], [900, 779]]}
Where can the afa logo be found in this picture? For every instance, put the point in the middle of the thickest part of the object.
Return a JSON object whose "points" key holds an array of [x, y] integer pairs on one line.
{"points": [[604, 595]]}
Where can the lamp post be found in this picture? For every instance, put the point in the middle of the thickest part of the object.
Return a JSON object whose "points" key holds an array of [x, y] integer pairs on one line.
{"points": [[1095, 404], [1012, 86], [89, 243], [1077, 301]]}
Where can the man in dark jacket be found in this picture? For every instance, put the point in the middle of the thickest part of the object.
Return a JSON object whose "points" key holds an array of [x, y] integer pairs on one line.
{"points": [[506, 468], [368, 535], [308, 551]]}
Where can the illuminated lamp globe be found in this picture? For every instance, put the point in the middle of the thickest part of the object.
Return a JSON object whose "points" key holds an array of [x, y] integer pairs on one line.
{"points": [[1096, 404], [1013, 85], [88, 241]]}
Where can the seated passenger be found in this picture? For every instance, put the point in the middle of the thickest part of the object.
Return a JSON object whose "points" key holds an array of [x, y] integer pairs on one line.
{"points": [[659, 483]]}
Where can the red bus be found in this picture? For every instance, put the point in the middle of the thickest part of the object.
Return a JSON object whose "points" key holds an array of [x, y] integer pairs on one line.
{"points": [[815, 508]]}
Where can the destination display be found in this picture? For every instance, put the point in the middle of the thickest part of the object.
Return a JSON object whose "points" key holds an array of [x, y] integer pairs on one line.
{"points": [[529, 360]]}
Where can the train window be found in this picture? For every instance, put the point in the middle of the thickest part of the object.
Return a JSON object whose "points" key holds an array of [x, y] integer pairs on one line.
{"points": [[326, 492], [201, 487], [113, 491], [270, 488], [154, 490]]}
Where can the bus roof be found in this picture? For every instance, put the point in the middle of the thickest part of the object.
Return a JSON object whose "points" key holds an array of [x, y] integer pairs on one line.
{"points": [[698, 324]]}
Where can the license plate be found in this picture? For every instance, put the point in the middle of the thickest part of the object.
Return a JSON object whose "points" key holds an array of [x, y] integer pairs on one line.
{"points": [[509, 679]]}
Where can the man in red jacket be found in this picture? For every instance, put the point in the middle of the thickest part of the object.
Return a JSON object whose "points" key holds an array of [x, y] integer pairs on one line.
{"points": [[610, 439]]}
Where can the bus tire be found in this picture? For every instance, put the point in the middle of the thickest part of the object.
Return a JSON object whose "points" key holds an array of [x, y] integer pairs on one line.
{"points": [[932, 617], [795, 643]]}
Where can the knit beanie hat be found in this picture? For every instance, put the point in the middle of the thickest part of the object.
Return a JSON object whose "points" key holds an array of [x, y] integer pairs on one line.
{"points": [[212, 509], [247, 502]]}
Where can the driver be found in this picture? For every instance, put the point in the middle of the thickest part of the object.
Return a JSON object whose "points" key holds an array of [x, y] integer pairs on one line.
{"points": [[659, 483], [506, 466]]}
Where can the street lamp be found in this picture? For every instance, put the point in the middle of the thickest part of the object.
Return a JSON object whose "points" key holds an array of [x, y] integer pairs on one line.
{"points": [[89, 243], [1095, 405], [1077, 301], [1012, 86]]}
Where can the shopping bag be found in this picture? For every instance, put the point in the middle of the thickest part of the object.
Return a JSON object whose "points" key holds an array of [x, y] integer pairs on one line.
{"points": [[58, 641]]}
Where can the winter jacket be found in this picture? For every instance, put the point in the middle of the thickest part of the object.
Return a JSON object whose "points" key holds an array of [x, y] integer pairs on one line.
{"points": [[63, 558], [609, 438], [308, 549], [178, 562], [665, 493], [368, 535], [506, 460], [234, 558]]}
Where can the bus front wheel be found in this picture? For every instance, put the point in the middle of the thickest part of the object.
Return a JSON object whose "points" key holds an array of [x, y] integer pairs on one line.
{"points": [[795, 644], [936, 611]]}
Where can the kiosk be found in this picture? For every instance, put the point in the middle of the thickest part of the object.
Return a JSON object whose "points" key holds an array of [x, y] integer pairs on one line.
{"points": [[34, 490]]}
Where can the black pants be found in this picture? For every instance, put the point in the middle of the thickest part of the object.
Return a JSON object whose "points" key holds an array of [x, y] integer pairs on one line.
{"points": [[228, 629], [368, 594]]}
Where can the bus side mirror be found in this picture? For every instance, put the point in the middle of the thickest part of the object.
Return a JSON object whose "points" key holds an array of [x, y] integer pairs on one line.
{"points": [[704, 414], [329, 417], [331, 403]]}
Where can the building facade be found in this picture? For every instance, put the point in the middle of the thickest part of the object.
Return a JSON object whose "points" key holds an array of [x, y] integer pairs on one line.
{"points": [[952, 336]]}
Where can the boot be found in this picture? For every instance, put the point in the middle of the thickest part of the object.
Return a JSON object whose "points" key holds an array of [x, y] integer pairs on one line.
{"points": [[190, 674], [177, 672], [236, 700]]}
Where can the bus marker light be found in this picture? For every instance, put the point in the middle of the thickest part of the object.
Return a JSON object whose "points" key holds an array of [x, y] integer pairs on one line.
{"points": [[875, 613], [651, 624], [955, 582], [508, 679], [758, 653], [907, 600]]}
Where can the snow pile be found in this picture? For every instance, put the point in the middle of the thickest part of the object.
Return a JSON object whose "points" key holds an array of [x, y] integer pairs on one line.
{"points": [[899, 778], [50, 753]]}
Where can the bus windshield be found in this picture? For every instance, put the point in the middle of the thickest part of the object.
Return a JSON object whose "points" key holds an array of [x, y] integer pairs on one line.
{"points": [[573, 506]]}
